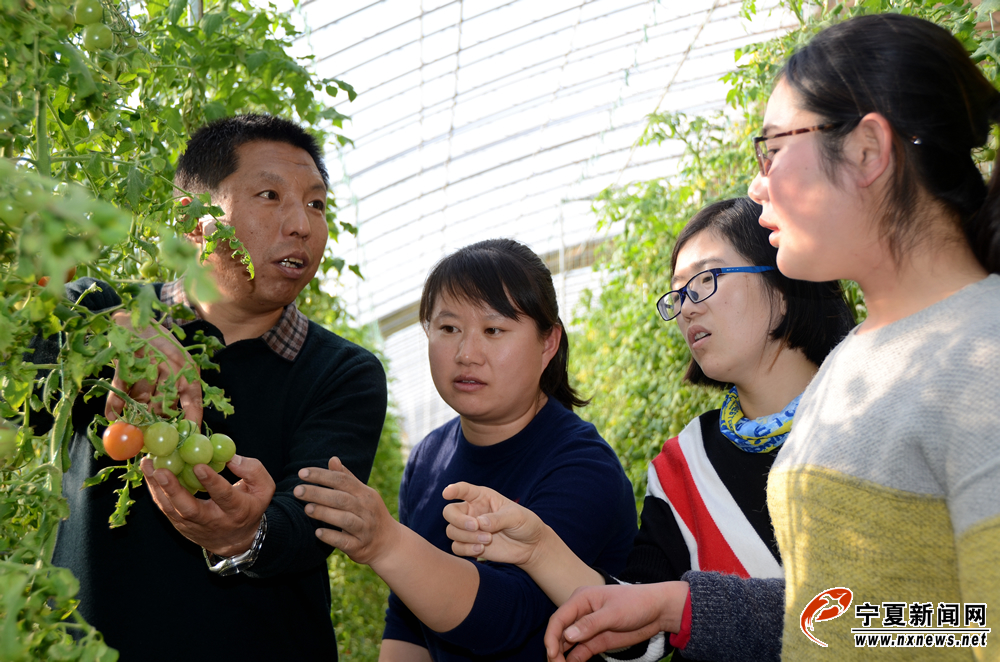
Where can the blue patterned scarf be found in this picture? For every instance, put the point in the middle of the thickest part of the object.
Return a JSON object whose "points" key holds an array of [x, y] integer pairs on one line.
{"points": [[760, 435]]}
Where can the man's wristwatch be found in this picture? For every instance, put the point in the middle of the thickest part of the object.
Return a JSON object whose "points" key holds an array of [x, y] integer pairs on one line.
{"points": [[232, 565]]}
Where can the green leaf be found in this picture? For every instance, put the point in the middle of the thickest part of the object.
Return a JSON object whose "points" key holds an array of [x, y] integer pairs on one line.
{"points": [[211, 22], [176, 10], [985, 8], [135, 184], [256, 59], [100, 476]]}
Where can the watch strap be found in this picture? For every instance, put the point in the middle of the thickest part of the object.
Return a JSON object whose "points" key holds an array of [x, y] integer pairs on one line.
{"points": [[225, 566]]}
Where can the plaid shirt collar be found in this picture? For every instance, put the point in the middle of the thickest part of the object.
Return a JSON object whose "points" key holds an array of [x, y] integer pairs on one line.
{"points": [[285, 338]]}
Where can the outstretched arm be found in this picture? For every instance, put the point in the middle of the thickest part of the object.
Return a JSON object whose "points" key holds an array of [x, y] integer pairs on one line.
{"points": [[439, 588], [487, 525]]}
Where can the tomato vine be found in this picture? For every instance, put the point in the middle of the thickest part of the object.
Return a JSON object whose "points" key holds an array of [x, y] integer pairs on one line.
{"points": [[97, 99]]}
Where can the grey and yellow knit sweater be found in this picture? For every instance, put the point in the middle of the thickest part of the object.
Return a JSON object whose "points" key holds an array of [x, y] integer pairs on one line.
{"points": [[889, 484]]}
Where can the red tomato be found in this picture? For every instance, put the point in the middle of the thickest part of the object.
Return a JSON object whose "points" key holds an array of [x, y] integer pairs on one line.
{"points": [[122, 441]]}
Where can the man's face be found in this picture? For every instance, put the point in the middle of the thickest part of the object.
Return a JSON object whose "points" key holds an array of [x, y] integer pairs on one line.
{"points": [[276, 202]]}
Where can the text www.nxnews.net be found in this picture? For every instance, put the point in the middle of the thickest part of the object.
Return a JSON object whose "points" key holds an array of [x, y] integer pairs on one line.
{"points": [[906, 640]]}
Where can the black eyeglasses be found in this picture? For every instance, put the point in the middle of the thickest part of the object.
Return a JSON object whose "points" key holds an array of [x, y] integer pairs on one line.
{"points": [[763, 154], [701, 286]]}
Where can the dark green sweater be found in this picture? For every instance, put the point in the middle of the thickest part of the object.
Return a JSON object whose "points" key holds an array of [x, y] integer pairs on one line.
{"points": [[148, 589]]}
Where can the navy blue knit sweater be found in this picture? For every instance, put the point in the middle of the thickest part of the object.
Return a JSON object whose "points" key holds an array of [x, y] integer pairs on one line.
{"points": [[560, 468]]}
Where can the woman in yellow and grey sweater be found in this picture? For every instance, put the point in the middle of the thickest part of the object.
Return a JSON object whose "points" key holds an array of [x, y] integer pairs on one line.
{"points": [[889, 484]]}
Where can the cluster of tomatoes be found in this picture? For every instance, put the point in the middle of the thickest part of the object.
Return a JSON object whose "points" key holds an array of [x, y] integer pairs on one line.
{"points": [[175, 447], [97, 36]]}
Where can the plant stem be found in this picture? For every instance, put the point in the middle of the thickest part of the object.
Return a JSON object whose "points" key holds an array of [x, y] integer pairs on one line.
{"points": [[41, 131]]}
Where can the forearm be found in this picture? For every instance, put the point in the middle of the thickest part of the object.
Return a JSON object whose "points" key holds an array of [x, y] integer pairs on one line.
{"points": [[439, 588], [557, 570]]}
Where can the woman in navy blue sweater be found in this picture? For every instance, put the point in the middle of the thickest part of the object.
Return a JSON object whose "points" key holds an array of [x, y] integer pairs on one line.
{"points": [[498, 356]]}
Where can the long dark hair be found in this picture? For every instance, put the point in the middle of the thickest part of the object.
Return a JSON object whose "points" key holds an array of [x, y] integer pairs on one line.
{"points": [[816, 315], [509, 278], [940, 106]]}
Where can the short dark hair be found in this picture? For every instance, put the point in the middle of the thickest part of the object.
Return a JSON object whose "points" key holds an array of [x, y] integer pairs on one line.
{"points": [[816, 316], [939, 104], [511, 279], [210, 156]]}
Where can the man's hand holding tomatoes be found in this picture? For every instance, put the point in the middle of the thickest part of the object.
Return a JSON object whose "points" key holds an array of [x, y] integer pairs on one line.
{"points": [[174, 359], [226, 523]]}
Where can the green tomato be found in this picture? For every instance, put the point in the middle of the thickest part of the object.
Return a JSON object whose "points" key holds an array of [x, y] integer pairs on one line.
{"points": [[97, 37], [189, 480], [11, 213], [172, 462], [161, 438], [196, 449], [30, 197], [129, 44], [223, 448], [149, 269], [217, 467], [63, 16], [88, 12], [8, 443], [185, 428]]}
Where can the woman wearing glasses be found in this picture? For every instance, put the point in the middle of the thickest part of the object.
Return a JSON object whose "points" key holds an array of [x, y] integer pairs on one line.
{"points": [[759, 336], [889, 484]]}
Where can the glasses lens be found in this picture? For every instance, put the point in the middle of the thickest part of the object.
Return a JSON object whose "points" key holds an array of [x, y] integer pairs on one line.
{"points": [[701, 286], [669, 305]]}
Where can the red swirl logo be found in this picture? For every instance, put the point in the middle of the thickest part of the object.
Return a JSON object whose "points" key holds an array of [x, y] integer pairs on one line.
{"points": [[826, 606]]}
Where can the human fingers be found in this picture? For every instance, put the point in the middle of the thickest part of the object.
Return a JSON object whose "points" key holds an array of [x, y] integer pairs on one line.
{"points": [[189, 397], [323, 496], [255, 479], [463, 491], [114, 405], [457, 515], [513, 519], [468, 543], [166, 490], [554, 640], [337, 477]]}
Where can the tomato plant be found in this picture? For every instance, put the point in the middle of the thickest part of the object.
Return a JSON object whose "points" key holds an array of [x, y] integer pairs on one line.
{"points": [[122, 441], [92, 120]]}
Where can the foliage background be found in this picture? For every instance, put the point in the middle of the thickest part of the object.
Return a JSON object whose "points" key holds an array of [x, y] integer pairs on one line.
{"points": [[88, 139]]}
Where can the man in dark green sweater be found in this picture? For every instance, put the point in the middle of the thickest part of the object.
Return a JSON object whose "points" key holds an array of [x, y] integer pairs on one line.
{"points": [[240, 575]]}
